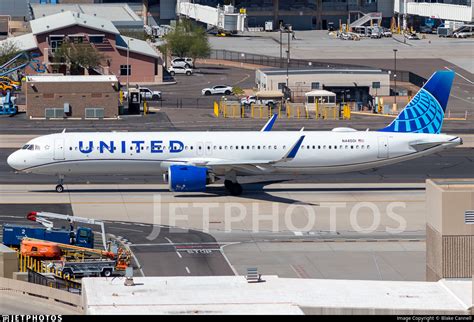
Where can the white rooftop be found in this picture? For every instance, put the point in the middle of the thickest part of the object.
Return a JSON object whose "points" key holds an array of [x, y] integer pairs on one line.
{"points": [[320, 92], [232, 294], [116, 12], [70, 18], [71, 78], [136, 46], [23, 43]]}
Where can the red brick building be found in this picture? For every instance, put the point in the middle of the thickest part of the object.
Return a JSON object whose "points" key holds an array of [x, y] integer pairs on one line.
{"points": [[49, 33]]}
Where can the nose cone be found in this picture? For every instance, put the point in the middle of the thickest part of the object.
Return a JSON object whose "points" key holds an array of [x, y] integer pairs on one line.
{"points": [[14, 161]]}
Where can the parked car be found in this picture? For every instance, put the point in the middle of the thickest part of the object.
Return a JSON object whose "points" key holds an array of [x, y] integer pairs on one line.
{"points": [[411, 36], [375, 32], [146, 94], [180, 70], [464, 32], [247, 101], [426, 29], [386, 32], [182, 62], [218, 89]]}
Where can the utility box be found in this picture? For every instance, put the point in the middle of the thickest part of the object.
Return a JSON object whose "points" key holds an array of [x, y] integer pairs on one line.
{"points": [[134, 101], [449, 234], [269, 25]]}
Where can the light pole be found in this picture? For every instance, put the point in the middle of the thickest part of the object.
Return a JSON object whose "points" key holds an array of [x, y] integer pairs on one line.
{"points": [[281, 46], [395, 75], [128, 56], [288, 30]]}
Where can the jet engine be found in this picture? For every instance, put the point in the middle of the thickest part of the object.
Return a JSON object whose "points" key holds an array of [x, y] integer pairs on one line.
{"points": [[188, 178]]}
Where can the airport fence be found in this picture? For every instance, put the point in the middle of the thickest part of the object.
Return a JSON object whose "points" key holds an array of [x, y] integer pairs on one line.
{"points": [[288, 110], [53, 282], [272, 61]]}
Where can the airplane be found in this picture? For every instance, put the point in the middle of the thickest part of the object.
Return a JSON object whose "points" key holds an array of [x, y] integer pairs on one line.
{"points": [[189, 161]]}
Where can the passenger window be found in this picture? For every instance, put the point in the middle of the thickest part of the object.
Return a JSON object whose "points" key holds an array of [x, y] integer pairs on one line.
{"points": [[329, 146], [220, 147], [258, 147], [191, 147], [248, 147], [242, 147], [352, 146], [368, 146], [324, 146], [236, 147], [335, 147]]}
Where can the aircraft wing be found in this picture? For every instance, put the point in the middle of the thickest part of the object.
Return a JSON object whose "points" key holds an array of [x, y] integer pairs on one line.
{"points": [[249, 164]]}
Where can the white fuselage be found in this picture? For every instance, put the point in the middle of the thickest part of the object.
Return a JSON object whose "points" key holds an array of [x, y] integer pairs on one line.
{"points": [[151, 153]]}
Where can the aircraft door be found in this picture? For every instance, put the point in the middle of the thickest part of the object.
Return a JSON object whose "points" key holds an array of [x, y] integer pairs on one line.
{"points": [[383, 147], [59, 149]]}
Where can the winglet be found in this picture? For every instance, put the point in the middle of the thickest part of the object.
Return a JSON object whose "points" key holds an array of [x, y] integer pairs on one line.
{"points": [[269, 125], [64, 131], [294, 149]]}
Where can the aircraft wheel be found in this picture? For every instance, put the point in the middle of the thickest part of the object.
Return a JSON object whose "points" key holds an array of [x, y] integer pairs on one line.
{"points": [[235, 189], [59, 188], [228, 184]]}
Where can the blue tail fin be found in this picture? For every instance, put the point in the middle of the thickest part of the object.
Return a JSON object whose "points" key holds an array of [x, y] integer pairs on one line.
{"points": [[425, 112]]}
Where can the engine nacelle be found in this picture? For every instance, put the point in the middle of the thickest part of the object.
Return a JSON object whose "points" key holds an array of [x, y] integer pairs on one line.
{"points": [[187, 178]]}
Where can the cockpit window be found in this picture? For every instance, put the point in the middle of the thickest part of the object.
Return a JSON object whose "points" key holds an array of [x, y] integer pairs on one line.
{"points": [[31, 147]]}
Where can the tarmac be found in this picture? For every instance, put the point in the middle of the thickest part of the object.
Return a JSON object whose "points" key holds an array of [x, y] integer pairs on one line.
{"points": [[292, 230]]}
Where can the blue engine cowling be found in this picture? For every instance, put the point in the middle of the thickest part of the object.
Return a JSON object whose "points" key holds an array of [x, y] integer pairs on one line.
{"points": [[187, 178]]}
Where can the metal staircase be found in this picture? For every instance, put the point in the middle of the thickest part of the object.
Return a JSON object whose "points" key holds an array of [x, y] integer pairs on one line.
{"points": [[365, 18]]}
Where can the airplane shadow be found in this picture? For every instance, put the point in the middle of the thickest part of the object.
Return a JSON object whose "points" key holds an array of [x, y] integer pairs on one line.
{"points": [[252, 191]]}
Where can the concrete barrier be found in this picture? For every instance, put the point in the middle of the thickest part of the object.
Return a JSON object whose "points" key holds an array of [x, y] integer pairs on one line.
{"points": [[63, 298], [8, 261]]}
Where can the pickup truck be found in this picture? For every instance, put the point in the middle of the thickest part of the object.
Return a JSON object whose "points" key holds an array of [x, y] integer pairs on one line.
{"points": [[86, 268], [146, 94], [249, 100]]}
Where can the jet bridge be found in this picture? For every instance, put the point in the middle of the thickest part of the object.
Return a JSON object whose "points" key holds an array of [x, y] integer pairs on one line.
{"points": [[222, 18]]}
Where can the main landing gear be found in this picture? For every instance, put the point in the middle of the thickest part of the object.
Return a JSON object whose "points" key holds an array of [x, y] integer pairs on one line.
{"points": [[234, 188], [60, 188]]}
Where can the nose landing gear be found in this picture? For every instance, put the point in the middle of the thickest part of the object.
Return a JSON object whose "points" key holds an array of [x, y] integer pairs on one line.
{"points": [[60, 188]]}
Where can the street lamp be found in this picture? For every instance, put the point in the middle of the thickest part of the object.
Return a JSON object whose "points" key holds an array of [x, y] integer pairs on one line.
{"points": [[281, 46], [287, 66], [128, 56], [395, 75]]}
